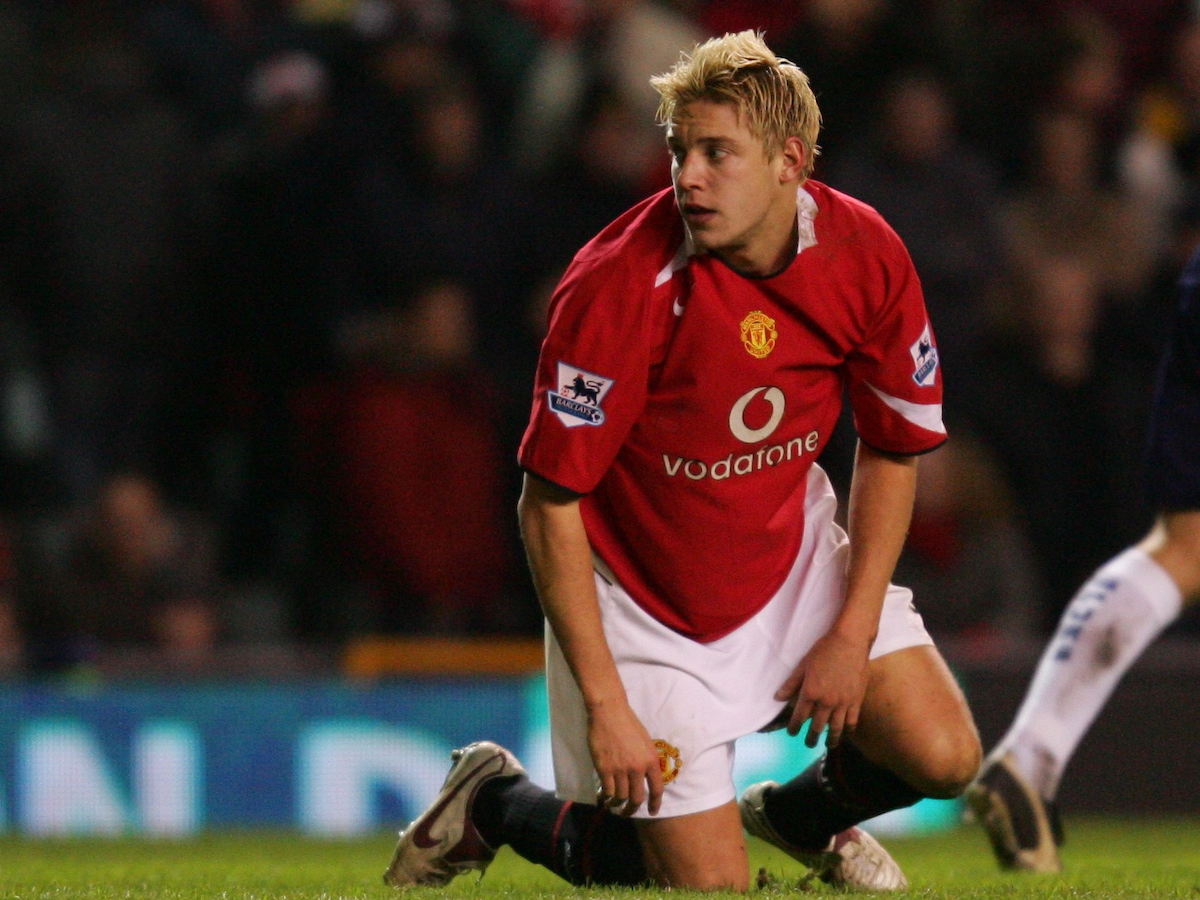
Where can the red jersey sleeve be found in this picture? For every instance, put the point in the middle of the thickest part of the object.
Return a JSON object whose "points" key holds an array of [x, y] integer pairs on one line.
{"points": [[593, 371], [895, 382]]}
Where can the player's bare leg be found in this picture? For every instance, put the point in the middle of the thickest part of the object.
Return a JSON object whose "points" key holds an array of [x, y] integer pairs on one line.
{"points": [[916, 723], [1174, 543], [915, 738], [701, 851]]}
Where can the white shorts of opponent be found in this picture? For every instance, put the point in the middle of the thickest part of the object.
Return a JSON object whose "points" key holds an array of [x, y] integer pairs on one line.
{"points": [[698, 699]]}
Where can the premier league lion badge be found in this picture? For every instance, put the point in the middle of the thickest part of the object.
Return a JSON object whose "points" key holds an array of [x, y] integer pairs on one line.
{"points": [[579, 396], [925, 358]]}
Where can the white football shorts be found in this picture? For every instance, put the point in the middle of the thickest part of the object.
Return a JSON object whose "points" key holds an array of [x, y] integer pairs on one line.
{"points": [[697, 699]]}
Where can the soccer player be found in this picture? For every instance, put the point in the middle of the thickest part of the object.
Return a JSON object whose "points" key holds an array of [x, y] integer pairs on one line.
{"points": [[682, 541], [1113, 617]]}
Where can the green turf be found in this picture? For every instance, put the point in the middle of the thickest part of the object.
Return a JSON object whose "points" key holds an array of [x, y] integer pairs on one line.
{"points": [[1104, 859]]}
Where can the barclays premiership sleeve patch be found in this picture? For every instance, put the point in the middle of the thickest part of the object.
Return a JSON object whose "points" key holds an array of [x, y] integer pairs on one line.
{"points": [[925, 359], [579, 396]]}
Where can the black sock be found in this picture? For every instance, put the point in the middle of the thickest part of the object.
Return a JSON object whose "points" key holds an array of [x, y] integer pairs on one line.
{"points": [[584, 844], [840, 789]]}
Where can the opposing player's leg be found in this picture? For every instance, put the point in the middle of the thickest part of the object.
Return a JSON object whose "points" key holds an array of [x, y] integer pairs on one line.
{"points": [[1022, 826], [1108, 624], [1174, 543], [915, 738]]}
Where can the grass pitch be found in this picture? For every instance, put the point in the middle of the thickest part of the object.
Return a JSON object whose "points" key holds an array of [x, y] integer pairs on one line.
{"points": [[1104, 859]]}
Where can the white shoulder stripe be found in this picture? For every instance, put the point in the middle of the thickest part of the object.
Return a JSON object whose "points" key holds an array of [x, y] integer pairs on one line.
{"points": [[923, 415], [806, 214], [677, 263]]}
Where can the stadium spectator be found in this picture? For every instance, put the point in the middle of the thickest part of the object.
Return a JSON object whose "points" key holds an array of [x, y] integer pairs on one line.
{"points": [[588, 185], [275, 283], [417, 474], [966, 556], [1076, 58], [1066, 206], [1159, 156], [107, 289], [1033, 391], [450, 206], [1140, 29], [205, 50], [1090, 81], [849, 48], [940, 196], [613, 45], [126, 570]]}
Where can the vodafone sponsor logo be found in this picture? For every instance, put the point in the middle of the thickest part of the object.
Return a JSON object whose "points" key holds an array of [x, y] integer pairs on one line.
{"points": [[737, 415], [742, 464], [747, 463]]}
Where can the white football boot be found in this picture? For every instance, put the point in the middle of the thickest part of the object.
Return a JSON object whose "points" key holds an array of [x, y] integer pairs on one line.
{"points": [[443, 842], [852, 858], [1023, 827]]}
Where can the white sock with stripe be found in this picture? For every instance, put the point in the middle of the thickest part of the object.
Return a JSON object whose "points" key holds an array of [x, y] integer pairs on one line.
{"points": [[1107, 625]]}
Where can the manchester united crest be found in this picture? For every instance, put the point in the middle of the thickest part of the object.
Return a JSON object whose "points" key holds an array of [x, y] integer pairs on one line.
{"points": [[669, 762], [759, 334]]}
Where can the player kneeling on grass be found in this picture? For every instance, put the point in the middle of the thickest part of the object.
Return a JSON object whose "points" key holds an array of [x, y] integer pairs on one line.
{"points": [[682, 540]]}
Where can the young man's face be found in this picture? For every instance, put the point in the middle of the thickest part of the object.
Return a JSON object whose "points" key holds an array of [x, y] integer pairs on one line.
{"points": [[735, 201]]}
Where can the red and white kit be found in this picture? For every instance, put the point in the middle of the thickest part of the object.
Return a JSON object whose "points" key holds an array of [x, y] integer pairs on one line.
{"points": [[688, 403]]}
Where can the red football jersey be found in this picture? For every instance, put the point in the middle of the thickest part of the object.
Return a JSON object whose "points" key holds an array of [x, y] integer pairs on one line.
{"points": [[687, 402]]}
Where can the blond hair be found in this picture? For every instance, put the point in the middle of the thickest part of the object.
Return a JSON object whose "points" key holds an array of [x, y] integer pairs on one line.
{"points": [[772, 92]]}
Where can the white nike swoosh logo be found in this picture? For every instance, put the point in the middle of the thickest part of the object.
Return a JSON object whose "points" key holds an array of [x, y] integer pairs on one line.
{"points": [[677, 307]]}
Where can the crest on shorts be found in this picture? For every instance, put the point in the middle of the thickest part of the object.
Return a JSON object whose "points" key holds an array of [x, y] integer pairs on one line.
{"points": [[669, 763], [759, 334], [579, 396], [925, 358]]}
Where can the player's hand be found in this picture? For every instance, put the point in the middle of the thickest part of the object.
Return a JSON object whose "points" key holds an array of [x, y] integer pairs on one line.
{"points": [[626, 762], [827, 689]]}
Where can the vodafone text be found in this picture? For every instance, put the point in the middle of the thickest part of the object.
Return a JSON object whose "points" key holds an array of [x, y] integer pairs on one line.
{"points": [[742, 463]]}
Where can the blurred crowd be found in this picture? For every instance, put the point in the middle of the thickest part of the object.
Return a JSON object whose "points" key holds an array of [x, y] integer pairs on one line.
{"points": [[273, 276]]}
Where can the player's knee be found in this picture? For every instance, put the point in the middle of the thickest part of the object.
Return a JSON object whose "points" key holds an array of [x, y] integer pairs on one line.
{"points": [[715, 882], [703, 851], [949, 763], [702, 877]]}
